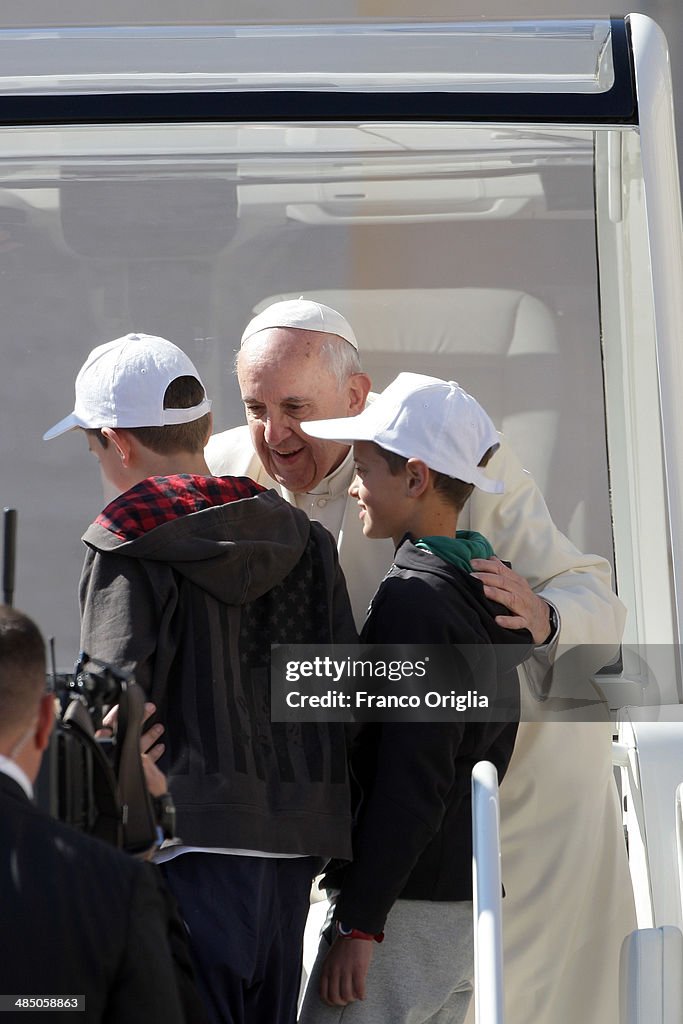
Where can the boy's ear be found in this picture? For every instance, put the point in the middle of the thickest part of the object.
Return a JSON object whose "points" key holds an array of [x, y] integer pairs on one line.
{"points": [[122, 442], [417, 477]]}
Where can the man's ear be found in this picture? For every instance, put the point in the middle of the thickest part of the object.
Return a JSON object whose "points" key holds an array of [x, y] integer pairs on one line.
{"points": [[122, 441], [359, 388], [417, 477]]}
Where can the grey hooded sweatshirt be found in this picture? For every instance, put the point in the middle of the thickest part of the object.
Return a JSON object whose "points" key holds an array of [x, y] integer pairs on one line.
{"points": [[188, 581]]}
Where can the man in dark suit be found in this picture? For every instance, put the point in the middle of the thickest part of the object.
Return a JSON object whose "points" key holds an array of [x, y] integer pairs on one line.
{"points": [[78, 916]]}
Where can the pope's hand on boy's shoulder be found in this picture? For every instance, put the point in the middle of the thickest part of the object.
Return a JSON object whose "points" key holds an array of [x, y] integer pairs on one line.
{"points": [[342, 979], [504, 585]]}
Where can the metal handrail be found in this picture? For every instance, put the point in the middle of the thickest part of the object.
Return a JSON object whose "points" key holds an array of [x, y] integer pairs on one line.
{"points": [[487, 896], [679, 840]]}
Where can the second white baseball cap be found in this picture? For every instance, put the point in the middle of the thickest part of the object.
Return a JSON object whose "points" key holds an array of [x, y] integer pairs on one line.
{"points": [[425, 418]]}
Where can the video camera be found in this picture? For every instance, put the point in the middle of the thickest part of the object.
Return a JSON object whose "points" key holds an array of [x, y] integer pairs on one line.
{"points": [[98, 784]]}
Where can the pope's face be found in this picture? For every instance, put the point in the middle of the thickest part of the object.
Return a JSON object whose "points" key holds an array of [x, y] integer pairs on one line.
{"points": [[285, 379]]}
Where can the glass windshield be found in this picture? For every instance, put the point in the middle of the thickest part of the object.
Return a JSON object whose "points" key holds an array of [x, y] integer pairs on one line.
{"points": [[468, 253], [526, 57]]}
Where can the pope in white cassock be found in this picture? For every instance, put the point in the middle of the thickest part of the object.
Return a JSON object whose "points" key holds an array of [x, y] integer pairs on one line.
{"points": [[569, 901]]}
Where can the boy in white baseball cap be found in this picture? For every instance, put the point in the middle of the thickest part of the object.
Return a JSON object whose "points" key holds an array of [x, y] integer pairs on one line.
{"points": [[187, 581], [419, 449], [431, 424]]}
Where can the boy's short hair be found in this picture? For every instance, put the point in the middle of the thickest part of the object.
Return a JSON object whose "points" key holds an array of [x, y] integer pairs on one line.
{"points": [[124, 385], [455, 492], [424, 418], [181, 393]]}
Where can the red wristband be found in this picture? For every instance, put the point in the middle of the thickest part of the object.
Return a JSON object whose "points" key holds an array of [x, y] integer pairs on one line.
{"points": [[355, 933]]}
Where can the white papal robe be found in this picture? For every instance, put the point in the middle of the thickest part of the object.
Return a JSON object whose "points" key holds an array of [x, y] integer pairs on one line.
{"points": [[569, 901]]}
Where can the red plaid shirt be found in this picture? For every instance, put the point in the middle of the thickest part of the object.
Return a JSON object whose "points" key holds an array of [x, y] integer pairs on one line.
{"points": [[159, 499]]}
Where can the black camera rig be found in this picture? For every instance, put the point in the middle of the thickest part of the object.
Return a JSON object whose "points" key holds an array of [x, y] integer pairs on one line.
{"points": [[98, 784], [95, 784]]}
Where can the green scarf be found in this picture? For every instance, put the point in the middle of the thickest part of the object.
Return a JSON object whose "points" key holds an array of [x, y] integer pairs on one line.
{"points": [[458, 550]]}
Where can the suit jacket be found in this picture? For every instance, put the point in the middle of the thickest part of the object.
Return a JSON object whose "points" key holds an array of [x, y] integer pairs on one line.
{"points": [[80, 918]]}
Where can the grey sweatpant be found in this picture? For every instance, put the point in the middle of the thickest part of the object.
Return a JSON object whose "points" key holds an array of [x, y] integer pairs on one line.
{"points": [[421, 974]]}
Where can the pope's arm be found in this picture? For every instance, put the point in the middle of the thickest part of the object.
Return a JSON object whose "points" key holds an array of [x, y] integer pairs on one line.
{"points": [[519, 526]]}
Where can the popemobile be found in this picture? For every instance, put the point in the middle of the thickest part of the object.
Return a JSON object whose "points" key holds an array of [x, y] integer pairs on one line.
{"points": [[492, 202]]}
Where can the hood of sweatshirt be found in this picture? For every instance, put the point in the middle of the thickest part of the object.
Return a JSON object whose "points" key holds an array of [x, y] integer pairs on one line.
{"points": [[226, 535], [513, 646]]}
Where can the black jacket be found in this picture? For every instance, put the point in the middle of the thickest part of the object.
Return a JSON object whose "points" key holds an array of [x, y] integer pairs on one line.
{"points": [[190, 593], [413, 831], [80, 918]]}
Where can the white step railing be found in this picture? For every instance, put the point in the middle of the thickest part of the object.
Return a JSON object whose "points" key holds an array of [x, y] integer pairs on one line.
{"points": [[487, 893]]}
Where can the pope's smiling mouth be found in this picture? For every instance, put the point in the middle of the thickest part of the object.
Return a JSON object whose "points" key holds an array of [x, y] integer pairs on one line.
{"points": [[286, 455]]}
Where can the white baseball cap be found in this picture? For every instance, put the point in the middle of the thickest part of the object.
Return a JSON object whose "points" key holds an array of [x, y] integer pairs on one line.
{"points": [[424, 418], [123, 383], [303, 314]]}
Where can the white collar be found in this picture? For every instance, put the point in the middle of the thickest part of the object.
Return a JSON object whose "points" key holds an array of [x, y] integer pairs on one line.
{"points": [[12, 769]]}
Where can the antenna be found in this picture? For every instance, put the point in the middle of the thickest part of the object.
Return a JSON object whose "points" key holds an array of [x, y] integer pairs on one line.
{"points": [[9, 554], [53, 664]]}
